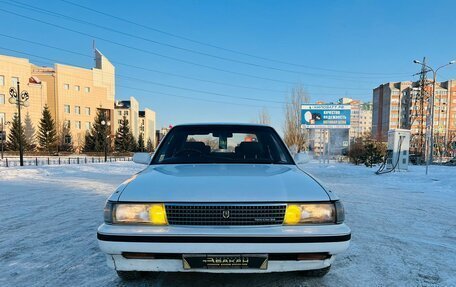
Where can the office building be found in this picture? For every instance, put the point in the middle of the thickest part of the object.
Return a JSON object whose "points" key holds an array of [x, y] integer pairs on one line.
{"points": [[12, 71], [147, 126], [75, 94]]}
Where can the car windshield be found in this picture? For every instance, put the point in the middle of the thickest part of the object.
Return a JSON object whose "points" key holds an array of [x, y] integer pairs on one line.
{"points": [[222, 144]]}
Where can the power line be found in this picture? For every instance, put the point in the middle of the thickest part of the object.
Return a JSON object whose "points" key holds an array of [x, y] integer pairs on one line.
{"points": [[142, 68], [159, 93], [157, 71], [70, 18], [156, 83], [222, 48], [158, 54]]}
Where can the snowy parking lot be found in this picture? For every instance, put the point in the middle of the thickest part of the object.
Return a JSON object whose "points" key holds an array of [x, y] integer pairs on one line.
{"points": [[403, 227]]}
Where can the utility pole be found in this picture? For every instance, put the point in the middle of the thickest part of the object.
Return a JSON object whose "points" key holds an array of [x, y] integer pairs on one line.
{"points": [[19, 99], [106, 124], [417, 103], [430, 116]]}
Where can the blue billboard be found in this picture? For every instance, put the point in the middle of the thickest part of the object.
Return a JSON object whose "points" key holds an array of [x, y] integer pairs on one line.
{"points": [[325, 116]]}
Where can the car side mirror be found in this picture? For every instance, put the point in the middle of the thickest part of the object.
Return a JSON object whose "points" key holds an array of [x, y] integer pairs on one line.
{"points": [[142, 158], [301, 158]]}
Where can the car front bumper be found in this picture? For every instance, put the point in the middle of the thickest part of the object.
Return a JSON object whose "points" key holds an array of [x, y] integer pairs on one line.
{"points": [[114, 240]]}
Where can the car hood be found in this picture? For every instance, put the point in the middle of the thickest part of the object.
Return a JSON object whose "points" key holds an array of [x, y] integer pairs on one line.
{"points": [[222, 183]]}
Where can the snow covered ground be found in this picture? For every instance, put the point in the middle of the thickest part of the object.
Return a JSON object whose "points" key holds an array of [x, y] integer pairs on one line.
{"points": [[403, 224]]}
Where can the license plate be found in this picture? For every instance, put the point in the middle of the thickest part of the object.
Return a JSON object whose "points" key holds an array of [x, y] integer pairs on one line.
{"points": [[225, 261]]}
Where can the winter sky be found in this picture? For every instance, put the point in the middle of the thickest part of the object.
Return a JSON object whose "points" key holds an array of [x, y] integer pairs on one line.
{"points": [[333, 48]]}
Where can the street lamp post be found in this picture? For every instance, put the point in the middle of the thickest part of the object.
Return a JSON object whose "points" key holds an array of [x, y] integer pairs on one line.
{"points": [[107, 124], [47, 142], [430, 141], [2, 133], [19, 99]]}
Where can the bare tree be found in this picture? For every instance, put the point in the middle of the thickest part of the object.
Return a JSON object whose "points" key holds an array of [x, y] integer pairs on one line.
{"points": [[294, 135], [264, 117], [451, 143]]}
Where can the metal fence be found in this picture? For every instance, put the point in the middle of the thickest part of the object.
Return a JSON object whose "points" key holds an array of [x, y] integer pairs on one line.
{"points": [[36, 161]]}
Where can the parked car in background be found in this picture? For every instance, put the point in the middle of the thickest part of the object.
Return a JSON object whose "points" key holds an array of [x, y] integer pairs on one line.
{"points": [[222, 198]]}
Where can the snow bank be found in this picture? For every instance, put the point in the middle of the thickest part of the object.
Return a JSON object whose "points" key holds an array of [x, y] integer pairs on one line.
{"points": [[403, 228]]}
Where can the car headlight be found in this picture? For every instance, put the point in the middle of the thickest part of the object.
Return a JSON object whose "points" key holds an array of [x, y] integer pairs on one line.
{"points": [[135, 213], [314, 213]]}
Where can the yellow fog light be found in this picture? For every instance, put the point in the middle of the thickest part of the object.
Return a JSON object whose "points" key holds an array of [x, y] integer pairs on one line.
{"points": [[292, 214], [157, 214]]}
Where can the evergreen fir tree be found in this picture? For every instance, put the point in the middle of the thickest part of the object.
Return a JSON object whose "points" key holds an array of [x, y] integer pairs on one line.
{"points": [[124, 138], [96, 138], [89, 144], [134, 143], [14, 135], [29, 132], [140, 146], [47, 134], [149, 146]]}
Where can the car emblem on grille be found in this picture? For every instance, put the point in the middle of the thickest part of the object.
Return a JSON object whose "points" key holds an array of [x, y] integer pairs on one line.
{"points": [[226, 214]]}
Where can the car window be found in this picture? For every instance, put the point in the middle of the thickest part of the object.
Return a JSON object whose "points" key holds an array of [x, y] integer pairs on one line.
{"points": [[222, 144]]}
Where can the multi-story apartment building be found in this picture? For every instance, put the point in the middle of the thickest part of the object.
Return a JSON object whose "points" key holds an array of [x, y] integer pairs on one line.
{"points": [[365, 119], [404, 105], [12, 71], [386, 101], [75, 94], [147, 126], [360, 117], [130, 110]]}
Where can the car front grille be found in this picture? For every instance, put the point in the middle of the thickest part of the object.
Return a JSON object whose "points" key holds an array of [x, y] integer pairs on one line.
{"points": [[225, 214]]}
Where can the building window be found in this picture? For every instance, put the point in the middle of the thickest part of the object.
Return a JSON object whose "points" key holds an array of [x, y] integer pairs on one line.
{"points": [[2, 80], [88, 125], [67, 124], [78, 125], [66, 86], [2, 99], [77, 110], [66, 109], [77, 88], [120, 122], [67, 139], [2, 118], [126, 113], [87, 111], [119, 113], [87, 89], [14, 81]]}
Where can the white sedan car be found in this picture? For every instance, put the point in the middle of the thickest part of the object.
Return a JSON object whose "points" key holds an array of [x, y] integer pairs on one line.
{"points": [[222, 198]]}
